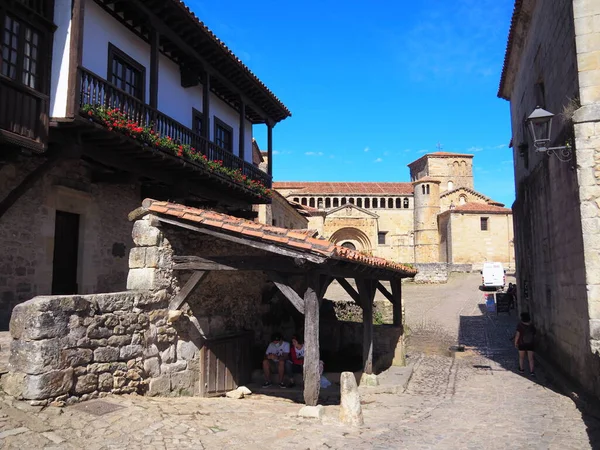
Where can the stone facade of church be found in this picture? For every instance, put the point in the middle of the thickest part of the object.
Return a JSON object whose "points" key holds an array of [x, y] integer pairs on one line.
{"points": [[437, 217]]}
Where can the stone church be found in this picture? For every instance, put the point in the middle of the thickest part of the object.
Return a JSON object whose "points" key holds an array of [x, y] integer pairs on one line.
{"points": [[438, 217]]}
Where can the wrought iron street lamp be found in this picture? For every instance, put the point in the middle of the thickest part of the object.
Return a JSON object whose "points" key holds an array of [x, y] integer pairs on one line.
{"points": [[539, 124]]}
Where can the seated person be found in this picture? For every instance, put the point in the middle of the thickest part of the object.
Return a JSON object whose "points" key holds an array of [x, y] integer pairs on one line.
{"points": [[296, 362], [275, 357]]}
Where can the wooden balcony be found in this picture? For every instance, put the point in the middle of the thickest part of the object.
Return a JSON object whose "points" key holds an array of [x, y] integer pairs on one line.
{"points": [[23, 115], [100, 95]]}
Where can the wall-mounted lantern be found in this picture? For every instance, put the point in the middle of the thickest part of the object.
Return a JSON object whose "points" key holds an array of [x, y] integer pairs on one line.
{"points": [[539, 124]]}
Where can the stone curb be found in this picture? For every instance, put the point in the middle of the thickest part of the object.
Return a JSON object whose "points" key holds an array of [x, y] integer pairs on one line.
{"points": [[398, 385]]}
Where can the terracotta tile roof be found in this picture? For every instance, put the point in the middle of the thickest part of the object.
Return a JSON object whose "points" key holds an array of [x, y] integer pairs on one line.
{"points": [[232, 56], [483, 208], [449, 154], [474, 192], [341, 188], [516, 16], [302, 240]]}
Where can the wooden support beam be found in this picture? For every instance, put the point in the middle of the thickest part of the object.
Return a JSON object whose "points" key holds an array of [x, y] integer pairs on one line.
{"points": [[350, 290], [287, 290], [186, 290], [32, 177], [324, 282], [385, 292], [154, 56], [247, 242], [270, 148], [205, 131], [240, 262], [397, 303], [75, 56], [312, 378], [366, 289], [242, 128]]}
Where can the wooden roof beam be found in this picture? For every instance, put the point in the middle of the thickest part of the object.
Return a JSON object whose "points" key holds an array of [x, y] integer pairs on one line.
{"points": [[240, 262]]}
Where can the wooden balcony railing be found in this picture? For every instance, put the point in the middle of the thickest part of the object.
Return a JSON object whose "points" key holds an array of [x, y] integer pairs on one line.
{"points": [[23, 113], [96, 91]]}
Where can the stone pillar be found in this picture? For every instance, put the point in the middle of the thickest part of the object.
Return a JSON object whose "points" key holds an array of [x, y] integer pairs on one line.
{"points": [[145, 258]]}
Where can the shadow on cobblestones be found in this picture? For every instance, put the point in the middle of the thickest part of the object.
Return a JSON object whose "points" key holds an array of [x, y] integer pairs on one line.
{"points": [[490, 337]]}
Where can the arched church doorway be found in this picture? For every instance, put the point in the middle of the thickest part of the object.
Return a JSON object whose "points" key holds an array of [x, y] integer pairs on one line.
{"points": [[351, 236]]}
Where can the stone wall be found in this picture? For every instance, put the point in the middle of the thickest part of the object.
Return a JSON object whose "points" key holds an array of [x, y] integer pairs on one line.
{"points": [[460, 268], [472, 245], [78, 347], [556, 212], [27, 231], [431, 273]]}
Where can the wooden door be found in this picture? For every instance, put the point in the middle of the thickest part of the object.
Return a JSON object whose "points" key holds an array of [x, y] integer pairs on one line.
{"points": [[66, 248], [225, 364]]}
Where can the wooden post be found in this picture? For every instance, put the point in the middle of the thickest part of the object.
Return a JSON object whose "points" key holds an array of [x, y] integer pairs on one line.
{"points": [[396, 285], [242, 127], [270, 147], [367, 291], [75, 57], [312, 378], [154, 44], [206, 106]]}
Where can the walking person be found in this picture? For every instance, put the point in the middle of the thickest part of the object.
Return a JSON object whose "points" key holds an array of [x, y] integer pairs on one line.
{"points": [[525, 342]]}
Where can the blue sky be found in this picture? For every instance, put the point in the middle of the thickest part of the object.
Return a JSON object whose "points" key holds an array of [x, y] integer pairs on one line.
{"points": [[373, 86]]}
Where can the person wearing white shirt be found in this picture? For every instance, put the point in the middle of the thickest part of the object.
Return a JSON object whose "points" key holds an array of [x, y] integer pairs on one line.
{"points": [[276, 356]]}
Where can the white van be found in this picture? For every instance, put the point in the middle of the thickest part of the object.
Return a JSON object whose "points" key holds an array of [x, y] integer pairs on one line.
{"points": [[493, 276]]}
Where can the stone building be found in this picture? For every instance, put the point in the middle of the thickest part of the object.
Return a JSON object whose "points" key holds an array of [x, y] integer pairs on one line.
{"points": [[436, 218], [206, 290], [553, 61], [102, 104]]}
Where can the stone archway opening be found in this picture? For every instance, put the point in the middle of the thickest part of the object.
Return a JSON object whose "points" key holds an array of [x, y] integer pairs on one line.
{"points": [[349, 245], [352, 236]]}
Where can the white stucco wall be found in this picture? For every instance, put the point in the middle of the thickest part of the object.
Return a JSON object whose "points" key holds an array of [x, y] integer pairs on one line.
{"points": [[100, 29], [59, 77]]}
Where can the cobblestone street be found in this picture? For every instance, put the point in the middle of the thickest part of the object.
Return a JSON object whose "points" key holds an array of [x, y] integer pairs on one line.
{"points": [[475, 399]]}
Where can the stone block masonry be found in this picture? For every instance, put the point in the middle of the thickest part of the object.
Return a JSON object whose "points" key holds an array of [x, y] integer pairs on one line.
{"points": [[67, 349]]}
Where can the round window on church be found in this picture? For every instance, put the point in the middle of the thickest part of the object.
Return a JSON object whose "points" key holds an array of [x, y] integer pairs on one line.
{"points": [[349, 245]]}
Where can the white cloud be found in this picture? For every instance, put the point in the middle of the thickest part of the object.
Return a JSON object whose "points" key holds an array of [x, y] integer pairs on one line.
{"points": [[424, 150], [475, 149], [408, 150], [378, 160], [313, 153], [386, 153], [498, 147], [367, 149], [276, 152]]}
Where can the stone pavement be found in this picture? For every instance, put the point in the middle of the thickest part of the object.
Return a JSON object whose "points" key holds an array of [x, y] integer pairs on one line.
{"points": [[473, 399]]}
